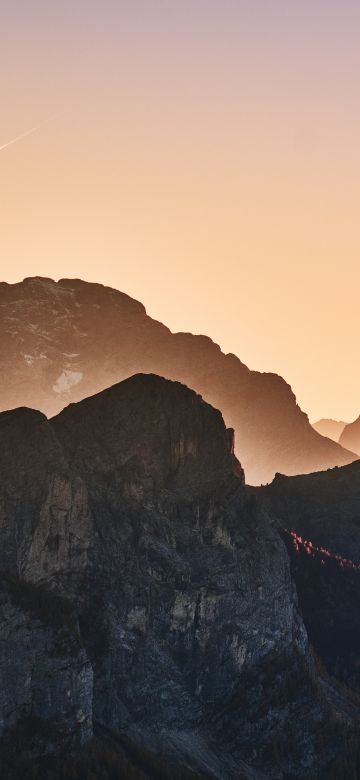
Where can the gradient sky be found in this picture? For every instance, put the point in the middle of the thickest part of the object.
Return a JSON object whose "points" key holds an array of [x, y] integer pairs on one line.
{"points": [[203, 157]]}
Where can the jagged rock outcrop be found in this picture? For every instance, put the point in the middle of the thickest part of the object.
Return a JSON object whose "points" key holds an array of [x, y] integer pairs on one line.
{"points": [[61, 342], [351, 434], [37, 491], [132, 505], [332, 429]]}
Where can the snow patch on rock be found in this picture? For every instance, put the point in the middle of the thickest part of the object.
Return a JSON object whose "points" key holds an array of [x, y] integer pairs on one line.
{"points": [[67, 380]]}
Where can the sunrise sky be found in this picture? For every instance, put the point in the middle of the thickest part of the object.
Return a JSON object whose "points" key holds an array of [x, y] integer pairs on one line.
{"points": [[202, 156]]}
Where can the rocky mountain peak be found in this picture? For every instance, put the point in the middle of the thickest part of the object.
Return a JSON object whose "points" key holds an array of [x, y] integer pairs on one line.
{"points": [[151, 427], [28, 433]]}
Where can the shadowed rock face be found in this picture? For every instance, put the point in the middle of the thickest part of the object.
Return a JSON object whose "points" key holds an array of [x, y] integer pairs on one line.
{"points": [[46, 680], [351, 433], [132, 505], [61, 342], [323, 507], [324, 510]]}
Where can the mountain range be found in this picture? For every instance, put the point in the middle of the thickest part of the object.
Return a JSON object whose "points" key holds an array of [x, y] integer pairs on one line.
{"points": [[151, 611], [346, 434], [63, 341], [160, 618]]}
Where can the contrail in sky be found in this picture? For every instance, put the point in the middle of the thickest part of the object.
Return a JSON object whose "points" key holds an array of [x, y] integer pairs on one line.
{"points": [[24, 135]]}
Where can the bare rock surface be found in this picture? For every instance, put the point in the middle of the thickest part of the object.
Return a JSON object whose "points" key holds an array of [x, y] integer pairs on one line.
{"points": [[46, 680]]}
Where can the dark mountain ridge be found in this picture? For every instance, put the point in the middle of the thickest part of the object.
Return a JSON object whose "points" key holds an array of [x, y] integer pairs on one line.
{"points": [[323, 507]]}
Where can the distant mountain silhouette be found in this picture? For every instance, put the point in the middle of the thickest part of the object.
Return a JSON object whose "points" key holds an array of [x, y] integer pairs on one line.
{"points": [[63, 341], [330, 428], [351, 434]]}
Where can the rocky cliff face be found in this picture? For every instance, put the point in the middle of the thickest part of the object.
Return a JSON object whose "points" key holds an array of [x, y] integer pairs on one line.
{"points": [[61, 342], [132, 506], [46, 680]]}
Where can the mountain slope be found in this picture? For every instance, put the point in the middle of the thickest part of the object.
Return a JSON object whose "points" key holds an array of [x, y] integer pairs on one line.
{"points": [[351, 434], [332, 429], [132, 505], [61, 342]]}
